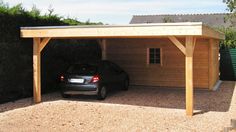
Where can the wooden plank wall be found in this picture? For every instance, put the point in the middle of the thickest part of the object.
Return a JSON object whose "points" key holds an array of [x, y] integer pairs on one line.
{"points": [[213, 62], [131, 55]]}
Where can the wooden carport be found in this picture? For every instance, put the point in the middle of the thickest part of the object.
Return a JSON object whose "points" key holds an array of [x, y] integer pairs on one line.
{"points": [[190, 31]]}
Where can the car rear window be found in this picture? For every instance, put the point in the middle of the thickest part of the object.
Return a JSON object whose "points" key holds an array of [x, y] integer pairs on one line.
{"points": [[82, 69]]}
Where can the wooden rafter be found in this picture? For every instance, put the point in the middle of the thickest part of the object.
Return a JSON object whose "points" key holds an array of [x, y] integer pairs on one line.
{"points": [[178, 44]]}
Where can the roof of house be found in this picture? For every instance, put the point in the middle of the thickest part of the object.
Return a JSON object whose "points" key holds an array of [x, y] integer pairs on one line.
{"points": [[213, 20]]}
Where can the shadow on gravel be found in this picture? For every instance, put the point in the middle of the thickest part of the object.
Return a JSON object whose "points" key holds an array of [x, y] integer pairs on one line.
{"points": [[204, 100], [26, 102]]}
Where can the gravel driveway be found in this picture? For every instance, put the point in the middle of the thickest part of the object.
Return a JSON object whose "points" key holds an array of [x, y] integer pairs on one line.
{"points": [[139, 109]]}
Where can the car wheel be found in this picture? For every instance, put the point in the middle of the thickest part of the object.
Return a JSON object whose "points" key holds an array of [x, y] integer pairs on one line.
{"points": [[102, 93], [65, 95], [126, 84]]}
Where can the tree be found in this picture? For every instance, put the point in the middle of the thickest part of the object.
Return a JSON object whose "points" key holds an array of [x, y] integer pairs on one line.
{"points": [[167, 20], [230, 38], [231, 5], [35, 12], [50, 10], [3, 6], [17, 9], [72, 21]]}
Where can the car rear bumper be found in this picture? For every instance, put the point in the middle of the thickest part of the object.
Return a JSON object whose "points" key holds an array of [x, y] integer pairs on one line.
{"points": [[91, 89]]}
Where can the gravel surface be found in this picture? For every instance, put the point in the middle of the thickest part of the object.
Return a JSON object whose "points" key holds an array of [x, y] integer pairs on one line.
{"points": [[138, 109]]}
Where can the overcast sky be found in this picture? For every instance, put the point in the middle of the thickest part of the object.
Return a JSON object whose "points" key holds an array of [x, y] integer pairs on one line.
{"points": [[121, 11]]}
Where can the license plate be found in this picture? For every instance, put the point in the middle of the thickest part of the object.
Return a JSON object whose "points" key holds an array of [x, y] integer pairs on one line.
{"points": [[76, 80]]}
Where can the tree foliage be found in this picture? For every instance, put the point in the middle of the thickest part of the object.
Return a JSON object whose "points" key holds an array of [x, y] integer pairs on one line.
{"points": [[230, 38], [167, 20], [230, 32], [231, 5], [35, 11], [231, 17]]}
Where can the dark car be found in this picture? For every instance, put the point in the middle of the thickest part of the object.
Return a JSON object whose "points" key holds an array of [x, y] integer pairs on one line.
{"points": [[93, 79]]}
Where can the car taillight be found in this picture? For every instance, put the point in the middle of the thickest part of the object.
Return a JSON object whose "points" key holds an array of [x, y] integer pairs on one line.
{"points": [[95, 79], [62, 78]]}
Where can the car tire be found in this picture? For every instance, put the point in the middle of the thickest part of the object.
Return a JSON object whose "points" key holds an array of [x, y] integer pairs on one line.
{"points": [[126, 84], [102, 93], [65, 95]]}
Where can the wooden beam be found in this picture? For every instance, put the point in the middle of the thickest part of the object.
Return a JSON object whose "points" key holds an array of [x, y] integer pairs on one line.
{"points": [[43, 43], [189, 75], [211, 33], [103, 45], [178, 44], [194, 42], [36, 72], [131, 30]]}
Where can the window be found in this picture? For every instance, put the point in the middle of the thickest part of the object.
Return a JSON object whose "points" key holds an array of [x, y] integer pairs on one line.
{"points": [[154, 55]]}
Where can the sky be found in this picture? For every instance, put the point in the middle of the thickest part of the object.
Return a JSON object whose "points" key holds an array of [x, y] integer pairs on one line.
{"points": [[121, 11]]}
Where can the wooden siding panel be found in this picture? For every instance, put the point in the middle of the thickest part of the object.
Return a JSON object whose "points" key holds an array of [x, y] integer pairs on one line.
{"points": [[213, 62], [131, 55]]}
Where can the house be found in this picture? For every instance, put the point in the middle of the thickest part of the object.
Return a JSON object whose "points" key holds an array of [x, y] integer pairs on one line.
{"points": [[161, 54], [213, 20]]}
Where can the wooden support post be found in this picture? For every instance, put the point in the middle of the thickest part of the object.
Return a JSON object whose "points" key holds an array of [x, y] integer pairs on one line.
{"points": [[103, 45], [210, 61], [36, 72], [187, 50], [189, 74], [37, 48]]}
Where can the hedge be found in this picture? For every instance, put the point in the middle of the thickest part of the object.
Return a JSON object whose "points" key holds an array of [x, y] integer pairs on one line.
{"points": [[16, 69]]}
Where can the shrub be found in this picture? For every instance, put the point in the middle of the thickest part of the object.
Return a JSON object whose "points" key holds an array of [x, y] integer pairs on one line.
{"points": [[230, 38]]}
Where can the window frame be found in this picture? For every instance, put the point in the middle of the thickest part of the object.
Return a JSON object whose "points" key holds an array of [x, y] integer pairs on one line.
{"points": [[148, 57]]}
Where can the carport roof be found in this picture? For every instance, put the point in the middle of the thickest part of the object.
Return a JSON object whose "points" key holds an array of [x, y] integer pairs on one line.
{"points": [[123, 31]]}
